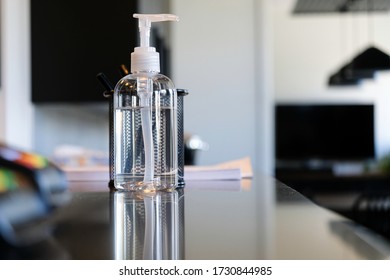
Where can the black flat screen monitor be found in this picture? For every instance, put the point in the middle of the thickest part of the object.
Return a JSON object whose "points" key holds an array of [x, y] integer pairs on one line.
{"points": [[74, 40], [324, 132]]}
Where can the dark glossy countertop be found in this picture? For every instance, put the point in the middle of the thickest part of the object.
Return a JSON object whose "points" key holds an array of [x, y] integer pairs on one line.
{"points": [[250, 219]]}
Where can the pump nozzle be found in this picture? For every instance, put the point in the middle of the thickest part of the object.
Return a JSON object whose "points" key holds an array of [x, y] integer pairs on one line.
{"points": [[144, 57], [145, 23]]}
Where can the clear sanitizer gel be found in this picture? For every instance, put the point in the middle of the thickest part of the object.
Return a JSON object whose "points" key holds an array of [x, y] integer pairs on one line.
{"points": [[145, 120]]}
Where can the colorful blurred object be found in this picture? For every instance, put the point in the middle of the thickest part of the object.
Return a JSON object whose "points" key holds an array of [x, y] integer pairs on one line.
{"points": [[30, 188]]}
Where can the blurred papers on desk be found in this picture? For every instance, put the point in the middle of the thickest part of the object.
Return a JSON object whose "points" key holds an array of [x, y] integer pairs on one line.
{"points": [[79, 157], [231, 170], [220, 185]]}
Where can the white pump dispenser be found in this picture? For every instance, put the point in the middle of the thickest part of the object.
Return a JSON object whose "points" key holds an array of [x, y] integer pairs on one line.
{"points": [[145, 120], [144, 57]]}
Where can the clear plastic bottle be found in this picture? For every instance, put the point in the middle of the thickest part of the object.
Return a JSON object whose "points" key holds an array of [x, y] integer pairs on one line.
{"points": [[145, 121]]}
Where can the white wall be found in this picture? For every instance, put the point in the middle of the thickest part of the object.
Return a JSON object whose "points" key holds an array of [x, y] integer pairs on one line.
{"points": [[84, 125], [16, 110], [216, 57], [309, 48]]}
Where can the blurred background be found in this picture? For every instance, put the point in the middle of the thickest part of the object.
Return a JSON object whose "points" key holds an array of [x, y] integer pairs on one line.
{"points": [[239, 60]]}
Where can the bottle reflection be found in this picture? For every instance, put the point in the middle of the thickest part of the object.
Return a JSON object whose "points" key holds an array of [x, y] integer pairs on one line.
{"points": [[149, 226]]}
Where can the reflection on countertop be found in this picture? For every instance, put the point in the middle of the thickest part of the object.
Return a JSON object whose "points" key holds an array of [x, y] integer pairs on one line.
{"points": [[368, 206], [259, 218], [148, 226]]}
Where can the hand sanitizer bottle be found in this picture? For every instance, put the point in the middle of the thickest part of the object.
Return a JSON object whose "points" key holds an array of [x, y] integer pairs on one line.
{"points": [[145, 120]]}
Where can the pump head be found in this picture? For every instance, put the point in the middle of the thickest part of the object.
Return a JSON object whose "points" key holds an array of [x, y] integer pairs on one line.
{"points": [[144, 57]]}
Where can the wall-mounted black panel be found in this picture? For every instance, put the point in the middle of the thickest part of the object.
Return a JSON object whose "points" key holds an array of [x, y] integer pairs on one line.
{"points": [[72, 41]]}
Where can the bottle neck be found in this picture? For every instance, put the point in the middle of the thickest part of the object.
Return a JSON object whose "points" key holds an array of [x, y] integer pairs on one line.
{"points": [[145, 72]]}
